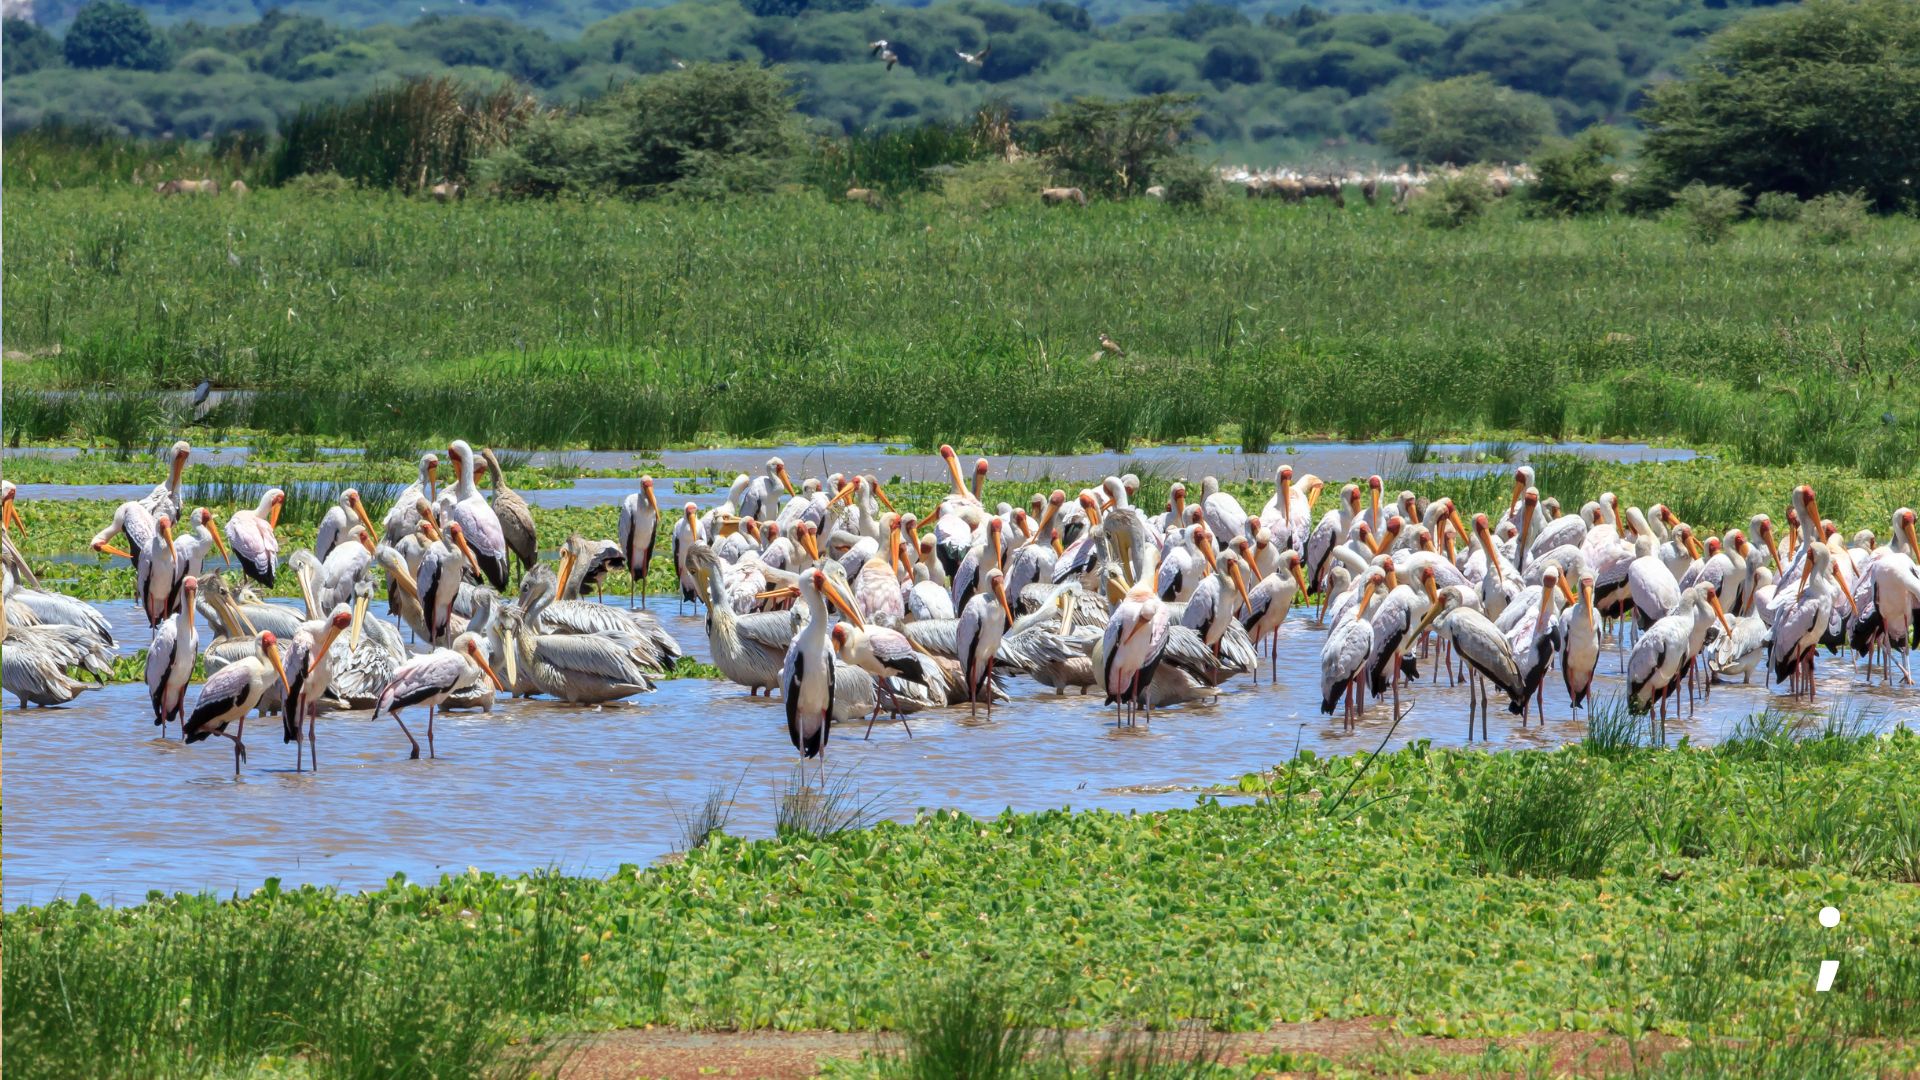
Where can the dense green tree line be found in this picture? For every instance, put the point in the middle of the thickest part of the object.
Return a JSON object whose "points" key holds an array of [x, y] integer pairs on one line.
{"points": [[1303, 85]]}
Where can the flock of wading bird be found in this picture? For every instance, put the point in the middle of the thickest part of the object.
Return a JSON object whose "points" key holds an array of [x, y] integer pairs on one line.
{"points": [[1155, 609]]}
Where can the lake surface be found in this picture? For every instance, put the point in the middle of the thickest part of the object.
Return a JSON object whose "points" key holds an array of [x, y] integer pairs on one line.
{"points": [[96, 804]]}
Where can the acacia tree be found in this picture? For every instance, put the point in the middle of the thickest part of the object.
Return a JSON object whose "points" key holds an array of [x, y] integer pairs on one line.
{"points": [[1114, 147], [1813, 99], [1467, 119]]}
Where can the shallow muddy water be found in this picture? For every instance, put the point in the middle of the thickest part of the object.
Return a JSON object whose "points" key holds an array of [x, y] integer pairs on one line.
{"points": [[97, 804]]}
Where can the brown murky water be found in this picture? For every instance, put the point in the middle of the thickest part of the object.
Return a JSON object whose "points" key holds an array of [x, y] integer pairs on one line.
{"points": [[96, 804]]}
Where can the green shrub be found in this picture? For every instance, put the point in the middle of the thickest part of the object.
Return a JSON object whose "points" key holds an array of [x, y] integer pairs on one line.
{"points": [[1191, 183], [1834, 218], [1453, 201], [1575, 176], [707, 131], [1707, 210], [992, 184], [320, 183], [1776, 206]]}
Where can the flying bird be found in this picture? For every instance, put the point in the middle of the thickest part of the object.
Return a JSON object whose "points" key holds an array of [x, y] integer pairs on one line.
{"points": [[976, 59]]}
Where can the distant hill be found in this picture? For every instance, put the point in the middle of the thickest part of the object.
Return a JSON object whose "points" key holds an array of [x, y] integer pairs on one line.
{"points": [[571, 17], [1274, 82]]}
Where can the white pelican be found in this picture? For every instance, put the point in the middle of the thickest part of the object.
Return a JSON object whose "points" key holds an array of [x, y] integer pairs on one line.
{"points": [[983, 622], [1130, 649], [312, 662], [477, 518], [431, 679], [233, 692], [403, 519], [806, 671], [639, 526], [1268, 603], [165, 498], [584, 669], [35, 659], [748, 649], [176, 644], [250, 534]]}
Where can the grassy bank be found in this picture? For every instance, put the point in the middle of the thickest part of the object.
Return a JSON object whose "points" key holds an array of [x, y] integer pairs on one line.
{"points": [[1601, 888], [372, 319]]}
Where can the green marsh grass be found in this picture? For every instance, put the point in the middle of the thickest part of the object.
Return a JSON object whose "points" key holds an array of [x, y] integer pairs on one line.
{"points": [[1546, 822], [618, 325], [1102, 920]]}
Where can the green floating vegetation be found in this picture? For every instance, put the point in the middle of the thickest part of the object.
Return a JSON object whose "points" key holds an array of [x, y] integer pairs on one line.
{"points": [[634, 326], [1347, 888]]}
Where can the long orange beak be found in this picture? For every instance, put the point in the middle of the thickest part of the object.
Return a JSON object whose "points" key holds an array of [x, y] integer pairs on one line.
{"points": [[1693, 544], [1239, 583], [1713, 600], [273, 657], [360, 511], [1566, 590], [953, 466], [833, 597], [1366, 598], [166, 530], [460, 541], [879, 493], [10, 515], [273, 512], [893, 551], [1586, 601], [1526, 526], [433, 472], [1846, 590], [1493, 553], [326, 640], [109, 549], [1204, 541], [999, 552], [561, 575], [646, 488], [1000, 593], [366, 541], [474, 652], [781, 472], [1313, 495], [1453, 515], [844, 493], [1300, 579], [811, 543], [784, 592]]}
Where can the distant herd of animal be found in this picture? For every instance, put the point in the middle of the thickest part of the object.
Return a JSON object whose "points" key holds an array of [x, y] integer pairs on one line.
{"points": [[441, 192], [1402, 186]]}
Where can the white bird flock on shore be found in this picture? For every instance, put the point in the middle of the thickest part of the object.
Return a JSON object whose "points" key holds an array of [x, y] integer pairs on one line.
{"points": [[826, 592]]}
